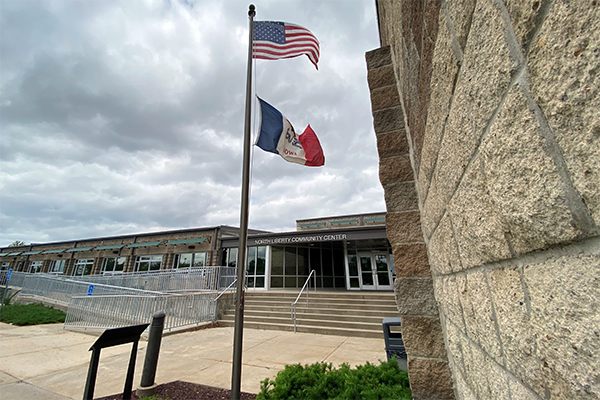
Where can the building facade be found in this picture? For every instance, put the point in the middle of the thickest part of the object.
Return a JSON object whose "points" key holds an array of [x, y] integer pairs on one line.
{"points": [[346, 252]]}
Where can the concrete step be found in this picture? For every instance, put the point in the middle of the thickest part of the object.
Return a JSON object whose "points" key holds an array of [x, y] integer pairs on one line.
{"points": [[357, 314], [322, 330], [310, 323], [341, 308], [372, 319]]}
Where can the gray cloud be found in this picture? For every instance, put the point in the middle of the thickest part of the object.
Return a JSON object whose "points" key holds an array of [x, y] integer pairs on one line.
{"points": [[123, 117]]}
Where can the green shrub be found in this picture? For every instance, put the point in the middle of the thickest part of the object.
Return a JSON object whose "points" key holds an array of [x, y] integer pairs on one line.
{"points": [[321, 381], [30, 314]]}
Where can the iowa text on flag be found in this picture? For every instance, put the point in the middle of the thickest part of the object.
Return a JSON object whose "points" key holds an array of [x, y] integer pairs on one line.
{"points": [[274, 40], [277, 136]]}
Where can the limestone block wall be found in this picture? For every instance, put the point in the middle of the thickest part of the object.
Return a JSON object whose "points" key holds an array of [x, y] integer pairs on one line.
{"points": [[500, 109], [421, 329]]}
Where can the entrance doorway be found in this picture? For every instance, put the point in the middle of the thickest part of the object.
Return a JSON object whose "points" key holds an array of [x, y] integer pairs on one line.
{"points": [[375, 271]]}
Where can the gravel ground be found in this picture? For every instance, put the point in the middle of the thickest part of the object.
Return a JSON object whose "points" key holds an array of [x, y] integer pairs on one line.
{"points": [[180, 390]]}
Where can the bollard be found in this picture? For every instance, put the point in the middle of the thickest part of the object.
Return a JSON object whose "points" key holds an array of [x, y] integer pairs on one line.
{"points": [[147, 386]]}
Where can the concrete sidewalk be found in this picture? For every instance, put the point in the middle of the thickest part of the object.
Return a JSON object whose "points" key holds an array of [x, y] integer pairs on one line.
{"points": [[48, 362]]}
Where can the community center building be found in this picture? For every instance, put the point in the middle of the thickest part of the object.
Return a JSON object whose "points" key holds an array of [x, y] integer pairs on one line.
{"points": [[349, 252]]}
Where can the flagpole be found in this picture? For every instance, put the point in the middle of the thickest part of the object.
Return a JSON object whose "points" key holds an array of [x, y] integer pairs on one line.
{"points": [[236, 373]]}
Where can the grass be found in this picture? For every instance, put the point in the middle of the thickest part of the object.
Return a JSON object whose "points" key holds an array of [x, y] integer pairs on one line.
{"points": [[30, 314]]}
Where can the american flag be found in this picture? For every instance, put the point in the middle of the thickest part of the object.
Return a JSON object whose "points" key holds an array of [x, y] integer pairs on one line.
{"points": [[274, 40]]}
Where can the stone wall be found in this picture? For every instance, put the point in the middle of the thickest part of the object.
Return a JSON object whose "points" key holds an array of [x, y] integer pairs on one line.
{"points": [[498, 102]]}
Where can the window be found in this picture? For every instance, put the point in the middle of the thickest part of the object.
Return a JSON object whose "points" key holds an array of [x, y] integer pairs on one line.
{"points": [[113, 265], [57, 266], [4, 266], [148, 263], [255, 267], [83, 266], [187, 260], [35, 267], [231, 257]]}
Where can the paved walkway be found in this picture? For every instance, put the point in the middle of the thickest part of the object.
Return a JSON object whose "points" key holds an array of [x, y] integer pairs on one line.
{"points": [[48, 362]]}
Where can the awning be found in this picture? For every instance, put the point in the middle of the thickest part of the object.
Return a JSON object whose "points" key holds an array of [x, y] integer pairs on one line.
{"points": [[145, 244], [3, 254], [76, 249], [53, 251], [350, 221], [110, 247], [16, 253], [30, 253], [187, 241]]}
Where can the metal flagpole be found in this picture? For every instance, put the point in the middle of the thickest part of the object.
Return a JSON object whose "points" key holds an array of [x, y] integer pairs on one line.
{"points": [[236, 373]]}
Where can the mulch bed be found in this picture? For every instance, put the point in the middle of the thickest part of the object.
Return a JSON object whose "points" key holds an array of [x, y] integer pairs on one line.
{"points": [[180, 390]]}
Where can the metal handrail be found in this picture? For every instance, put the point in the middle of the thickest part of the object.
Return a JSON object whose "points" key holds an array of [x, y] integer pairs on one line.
{"points": [[293, 308], [226, 289]]}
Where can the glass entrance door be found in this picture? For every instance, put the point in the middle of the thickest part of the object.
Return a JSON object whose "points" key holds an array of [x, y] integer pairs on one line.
{"points": [[375, 271], [366, 272]]}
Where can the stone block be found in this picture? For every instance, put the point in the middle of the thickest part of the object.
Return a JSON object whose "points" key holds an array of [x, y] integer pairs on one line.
{"points": [[455, 339], [422, 184], [520, 391], [458, 145], [433, 209], [460, 16], [411, 260], [524, 16], [400, 197], [518, 343], [562, 72], [379, 57], [385, 97], [388, 120], [478, 314], [404, 227], [430, 379], [487, 66], [488, 379], [565, 318], [444, 70], [392, 143], [395, 170], [414, 296], [446, 294], [462, 388], [523, 181], [444, 257], [423, 337], [381, 77], [476, 222]]}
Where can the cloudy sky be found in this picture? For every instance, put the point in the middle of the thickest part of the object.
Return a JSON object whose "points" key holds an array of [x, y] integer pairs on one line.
{"points": [[120, 117]]}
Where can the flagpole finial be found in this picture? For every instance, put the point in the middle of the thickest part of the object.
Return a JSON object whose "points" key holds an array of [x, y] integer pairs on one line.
{"points": [[251, 11]]}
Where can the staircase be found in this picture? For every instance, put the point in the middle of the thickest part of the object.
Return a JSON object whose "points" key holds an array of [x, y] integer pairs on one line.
{"points": [[343, 313]]}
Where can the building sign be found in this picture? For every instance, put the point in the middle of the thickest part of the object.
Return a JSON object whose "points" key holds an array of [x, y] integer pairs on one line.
{"points": [[297, 239]]}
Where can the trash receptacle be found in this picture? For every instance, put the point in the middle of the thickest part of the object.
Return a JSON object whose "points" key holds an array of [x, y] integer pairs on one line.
{"points": [[393, 342]]}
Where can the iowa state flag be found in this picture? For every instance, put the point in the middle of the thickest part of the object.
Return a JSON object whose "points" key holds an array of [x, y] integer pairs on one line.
{"points": [[277, 136]]}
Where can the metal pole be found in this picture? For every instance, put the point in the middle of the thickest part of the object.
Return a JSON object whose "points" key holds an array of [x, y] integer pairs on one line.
{"points": [[236, 373], [130, 370], [153, 349], [90, 383]]}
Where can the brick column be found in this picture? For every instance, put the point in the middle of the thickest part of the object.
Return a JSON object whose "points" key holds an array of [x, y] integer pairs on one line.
{"points": [[429, 374], [97, 266], [45, 265]]}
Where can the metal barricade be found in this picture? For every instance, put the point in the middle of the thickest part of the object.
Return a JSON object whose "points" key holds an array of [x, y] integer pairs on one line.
{"points": [[61, 290], [122, 310]]}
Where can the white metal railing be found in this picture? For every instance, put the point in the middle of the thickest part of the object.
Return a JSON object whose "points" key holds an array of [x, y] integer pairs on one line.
{"points": [[61, 290], [293, 308], [104, 312], [226, 289], [16, 278], [175, 280]]}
